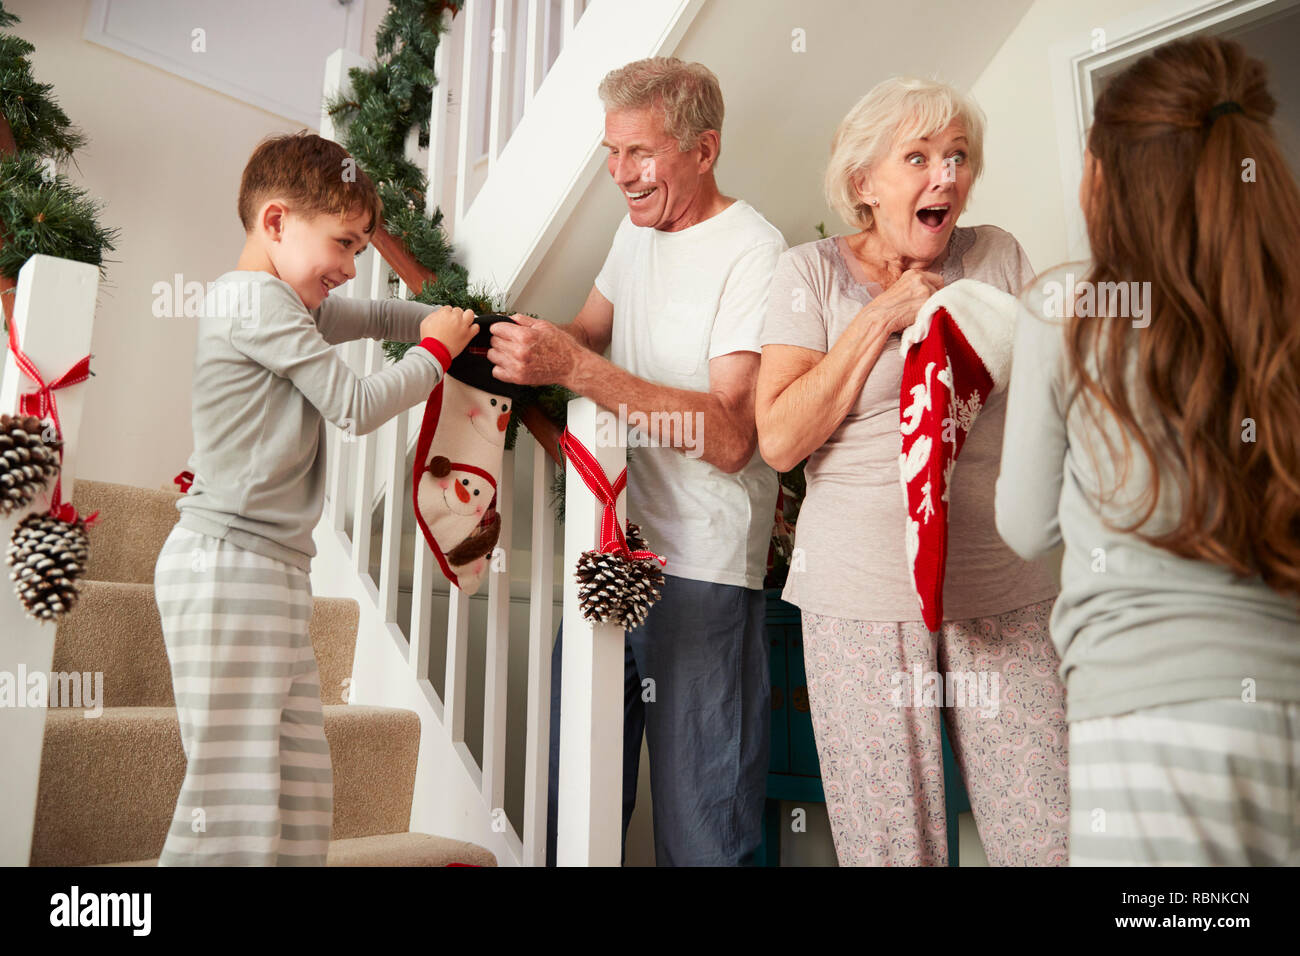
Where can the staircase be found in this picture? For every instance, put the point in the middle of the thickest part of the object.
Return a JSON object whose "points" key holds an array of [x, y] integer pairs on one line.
{"points": [[108, 784], [515, 132]]}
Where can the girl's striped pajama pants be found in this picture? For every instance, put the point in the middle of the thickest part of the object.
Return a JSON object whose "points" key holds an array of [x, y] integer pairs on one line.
{"points": [[1204, 783], [259, 787]]}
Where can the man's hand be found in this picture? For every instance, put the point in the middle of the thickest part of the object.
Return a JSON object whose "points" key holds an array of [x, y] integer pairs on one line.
{"points": [[534, 352]]}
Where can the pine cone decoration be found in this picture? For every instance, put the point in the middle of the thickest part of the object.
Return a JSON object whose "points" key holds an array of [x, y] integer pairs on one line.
{"points": [[632, 535], [27, 461], [600, 585], [644, 579], [47, 556], [615, 590]]}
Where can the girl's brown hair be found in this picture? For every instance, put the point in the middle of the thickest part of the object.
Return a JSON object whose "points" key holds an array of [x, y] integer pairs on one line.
{"points": [[1196, 198], [314, 175]]}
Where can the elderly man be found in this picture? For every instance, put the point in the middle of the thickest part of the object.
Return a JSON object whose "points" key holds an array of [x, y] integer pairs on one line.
{"points": [[679, 304]]}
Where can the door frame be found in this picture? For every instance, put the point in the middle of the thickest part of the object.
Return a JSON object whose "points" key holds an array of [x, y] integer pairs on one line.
{"points": [[1076, 61]]}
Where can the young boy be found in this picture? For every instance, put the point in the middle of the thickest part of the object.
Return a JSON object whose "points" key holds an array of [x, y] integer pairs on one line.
{"points": [[232, 579]]}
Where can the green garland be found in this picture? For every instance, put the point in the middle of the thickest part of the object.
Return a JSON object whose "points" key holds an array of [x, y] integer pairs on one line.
{"points": [[386, 100], [40, 210]]}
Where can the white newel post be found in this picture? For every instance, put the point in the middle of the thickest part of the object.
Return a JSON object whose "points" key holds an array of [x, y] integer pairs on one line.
{"points": [[54, 309], [590, 812]]}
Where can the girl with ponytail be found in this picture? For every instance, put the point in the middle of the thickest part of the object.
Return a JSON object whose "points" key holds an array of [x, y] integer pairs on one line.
{"points": [[1153, 426]]}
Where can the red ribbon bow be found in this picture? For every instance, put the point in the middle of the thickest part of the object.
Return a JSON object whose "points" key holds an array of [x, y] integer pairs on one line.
{"points": [[611, 535], [41, 403]]}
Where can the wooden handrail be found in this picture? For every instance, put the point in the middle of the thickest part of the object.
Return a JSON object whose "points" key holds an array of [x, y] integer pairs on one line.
{"points": [[393, 251]]}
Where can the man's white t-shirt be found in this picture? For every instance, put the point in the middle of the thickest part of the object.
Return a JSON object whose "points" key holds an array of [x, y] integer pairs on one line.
{"points": [[681, 299]]}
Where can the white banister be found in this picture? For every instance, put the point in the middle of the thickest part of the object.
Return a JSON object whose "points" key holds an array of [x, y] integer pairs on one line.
{"points": [[540, 633], [53, 315], [495, 683], [589, 820]]}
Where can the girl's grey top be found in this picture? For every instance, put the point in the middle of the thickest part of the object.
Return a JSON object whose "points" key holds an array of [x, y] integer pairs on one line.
{"points": [[1135, 625]]}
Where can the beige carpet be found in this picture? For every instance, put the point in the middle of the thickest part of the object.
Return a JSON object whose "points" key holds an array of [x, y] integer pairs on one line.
{"points": [[109, 783]]}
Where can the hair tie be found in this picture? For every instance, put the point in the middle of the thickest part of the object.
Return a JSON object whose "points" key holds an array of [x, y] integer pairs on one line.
{"points": [[1227, 106]]}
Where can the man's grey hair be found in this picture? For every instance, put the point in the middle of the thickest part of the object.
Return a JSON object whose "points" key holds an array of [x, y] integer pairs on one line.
{"points": [[687, 93]]}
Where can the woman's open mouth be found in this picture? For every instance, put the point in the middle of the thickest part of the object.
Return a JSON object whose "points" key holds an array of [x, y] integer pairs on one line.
{"points": [[934, 217]]}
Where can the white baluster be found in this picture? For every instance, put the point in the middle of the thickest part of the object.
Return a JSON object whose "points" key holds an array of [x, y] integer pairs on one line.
{"points": [[569, 19], [495, 682], [534, 55], [499, 47], [540, 640], [421, 604], [364, 474], [390, 558], [465, 149], [457, 654], [337, 65], [438, 120]]}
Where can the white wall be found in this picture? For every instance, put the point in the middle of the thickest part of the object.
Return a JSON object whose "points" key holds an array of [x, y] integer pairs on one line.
{"points": [[165, 156]]}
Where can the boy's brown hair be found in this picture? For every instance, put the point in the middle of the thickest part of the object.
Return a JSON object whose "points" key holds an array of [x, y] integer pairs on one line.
{"points": [[315, 176]]}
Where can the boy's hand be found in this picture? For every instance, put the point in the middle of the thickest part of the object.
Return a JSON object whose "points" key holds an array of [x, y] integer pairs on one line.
{"points": [[452, 327]]}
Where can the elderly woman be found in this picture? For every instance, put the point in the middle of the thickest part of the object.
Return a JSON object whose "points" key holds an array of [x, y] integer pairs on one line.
{"points": [[901, 168]]}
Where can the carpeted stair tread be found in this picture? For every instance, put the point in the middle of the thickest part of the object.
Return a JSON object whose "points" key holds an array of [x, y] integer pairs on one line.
{"points": [[392, 849], [109, 784], [132, 525], [115, 628]]}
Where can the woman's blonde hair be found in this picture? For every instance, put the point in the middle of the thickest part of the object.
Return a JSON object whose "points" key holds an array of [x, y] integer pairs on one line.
{"points": [[900, 107], [688, 94]]}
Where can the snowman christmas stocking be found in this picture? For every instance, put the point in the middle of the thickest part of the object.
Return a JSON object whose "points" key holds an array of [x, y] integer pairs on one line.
{"points": [[956, 354], [458, 462]]}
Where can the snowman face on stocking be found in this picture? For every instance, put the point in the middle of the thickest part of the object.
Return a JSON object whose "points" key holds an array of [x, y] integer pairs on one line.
{"points": [[453, 501], [458, 462]]}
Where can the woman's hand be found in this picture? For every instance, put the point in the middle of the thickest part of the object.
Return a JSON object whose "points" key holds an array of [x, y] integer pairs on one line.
{"points": [[896, 308]]}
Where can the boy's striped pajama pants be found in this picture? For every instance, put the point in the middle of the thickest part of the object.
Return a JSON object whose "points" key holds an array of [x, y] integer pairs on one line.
{"points": [[259, 787]]}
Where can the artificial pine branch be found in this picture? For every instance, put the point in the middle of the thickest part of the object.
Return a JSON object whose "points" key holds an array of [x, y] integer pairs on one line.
{"points": [[53, 218], [386, 100], [41, 212]]}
